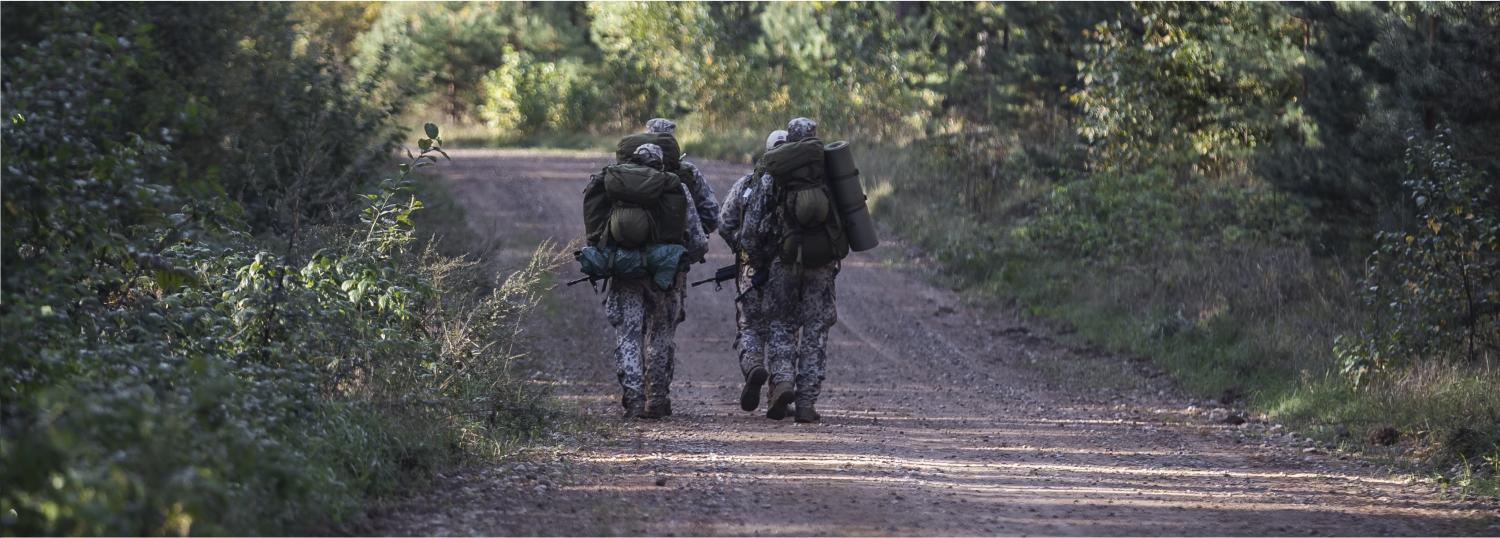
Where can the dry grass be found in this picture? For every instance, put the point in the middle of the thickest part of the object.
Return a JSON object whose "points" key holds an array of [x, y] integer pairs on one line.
{"points": [[1252, 324]]}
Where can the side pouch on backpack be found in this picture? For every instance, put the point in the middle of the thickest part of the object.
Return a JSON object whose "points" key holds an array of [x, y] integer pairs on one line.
{"points": [[596, 208], [814, 237], [630, 226]]}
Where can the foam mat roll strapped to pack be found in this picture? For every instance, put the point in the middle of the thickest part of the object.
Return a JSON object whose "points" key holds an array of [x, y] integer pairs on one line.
{"points": [[849, 196]]}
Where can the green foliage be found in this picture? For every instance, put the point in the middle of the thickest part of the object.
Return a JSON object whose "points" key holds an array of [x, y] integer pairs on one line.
{"points": [[445, 50], [1375, 73], [174, 360], [1111, 218], [1189, 85], [528, 96], [1433, 285]]}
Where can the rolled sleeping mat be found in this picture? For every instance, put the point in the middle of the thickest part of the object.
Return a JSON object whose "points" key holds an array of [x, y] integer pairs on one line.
{"points": [[849, 196]]}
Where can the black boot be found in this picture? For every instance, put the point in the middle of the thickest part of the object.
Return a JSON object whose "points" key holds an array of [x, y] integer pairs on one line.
{"points": [[782, 395], [805, 413], [750, 395], [658, 409], [635, 408]]}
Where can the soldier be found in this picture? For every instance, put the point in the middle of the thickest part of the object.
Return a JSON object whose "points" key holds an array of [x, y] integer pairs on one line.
{"points": [[704, 204], [703, 193], [798, 296], [645, 318], [751, 323]]}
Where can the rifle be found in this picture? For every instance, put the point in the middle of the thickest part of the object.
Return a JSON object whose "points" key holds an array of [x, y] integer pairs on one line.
{"points": [[758, 278], [590, 279], [728, 272]]}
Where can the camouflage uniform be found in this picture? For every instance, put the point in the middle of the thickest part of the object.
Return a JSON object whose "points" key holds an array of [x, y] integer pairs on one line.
{"points": [[702, 192], [645, 318], [705, 207], [798, 301], [750, 321]]}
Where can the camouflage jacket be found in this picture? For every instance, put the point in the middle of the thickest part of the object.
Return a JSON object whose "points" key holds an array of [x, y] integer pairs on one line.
{"points": [[732, 214], [759, 236], [703, 196], [696, 241]]}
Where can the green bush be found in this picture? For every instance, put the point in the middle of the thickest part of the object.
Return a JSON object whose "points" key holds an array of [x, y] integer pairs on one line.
{"points": [[207, 328], [528, 95], [1433, 285]]}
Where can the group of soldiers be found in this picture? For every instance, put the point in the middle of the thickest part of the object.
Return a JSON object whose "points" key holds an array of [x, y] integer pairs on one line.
{"points": [[784, 311]]}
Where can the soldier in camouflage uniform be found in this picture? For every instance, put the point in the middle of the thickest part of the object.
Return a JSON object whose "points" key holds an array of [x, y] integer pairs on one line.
{"points": [[703, 193], [799, 301], [753, 329], [645, 319], [704, 203]]}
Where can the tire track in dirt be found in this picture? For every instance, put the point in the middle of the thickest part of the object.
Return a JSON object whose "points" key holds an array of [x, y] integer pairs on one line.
{"points": [[934, 423]]}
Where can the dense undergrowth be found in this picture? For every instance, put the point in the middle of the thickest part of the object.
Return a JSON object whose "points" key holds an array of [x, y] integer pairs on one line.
{"points": [[217, 317]]}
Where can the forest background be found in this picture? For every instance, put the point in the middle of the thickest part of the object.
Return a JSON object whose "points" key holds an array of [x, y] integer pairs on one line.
{"points": [[1289, 207]]}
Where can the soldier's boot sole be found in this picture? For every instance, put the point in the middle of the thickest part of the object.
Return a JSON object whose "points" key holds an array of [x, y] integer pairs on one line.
{"points": [[781, 397], [750, 396]]}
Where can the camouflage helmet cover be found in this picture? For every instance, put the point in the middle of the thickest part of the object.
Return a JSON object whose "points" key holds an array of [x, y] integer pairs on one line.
{"points": [[801, 128], [650, 152], [661, 125]]}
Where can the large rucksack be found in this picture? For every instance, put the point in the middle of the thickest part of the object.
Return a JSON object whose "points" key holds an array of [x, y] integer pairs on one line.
{"points": [[631, 205], [812, 233]]}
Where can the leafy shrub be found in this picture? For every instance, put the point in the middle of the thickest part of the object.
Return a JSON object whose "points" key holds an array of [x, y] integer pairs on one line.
{"points": [[1115, 218], [529, 95], [1433, 286], [171, 363]]}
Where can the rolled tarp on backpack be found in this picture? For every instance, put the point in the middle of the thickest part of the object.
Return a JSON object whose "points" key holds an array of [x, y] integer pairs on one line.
{"points": [[611, 262], [661, 262], [849, 197]]}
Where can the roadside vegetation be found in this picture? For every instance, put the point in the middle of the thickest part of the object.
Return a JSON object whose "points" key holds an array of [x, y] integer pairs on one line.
{"points": [[222, 310], [226, 311], [1289, 207]]}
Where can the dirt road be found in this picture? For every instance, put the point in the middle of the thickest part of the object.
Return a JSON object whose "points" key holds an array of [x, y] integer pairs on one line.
{"points": [[937, 420]]}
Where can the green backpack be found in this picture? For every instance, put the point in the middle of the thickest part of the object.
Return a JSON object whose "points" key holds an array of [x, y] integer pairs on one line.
{"points": [[813, 235], [631, 205]]}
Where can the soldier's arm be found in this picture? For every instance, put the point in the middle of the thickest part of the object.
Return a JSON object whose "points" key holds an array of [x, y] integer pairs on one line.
{"points": [[707, 201], [757, 232], [732, 211], [697, 241]]}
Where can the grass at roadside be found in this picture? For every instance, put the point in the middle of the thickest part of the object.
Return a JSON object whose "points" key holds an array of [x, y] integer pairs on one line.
{"points": [[1250, 327]]}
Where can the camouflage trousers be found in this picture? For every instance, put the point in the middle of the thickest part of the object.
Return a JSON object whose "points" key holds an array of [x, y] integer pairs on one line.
{"points": [[752, 328], [799, 305], [645, 320]]}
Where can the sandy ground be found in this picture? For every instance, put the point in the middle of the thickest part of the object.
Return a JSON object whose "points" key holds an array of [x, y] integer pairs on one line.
{"points": [[937, 420]]}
